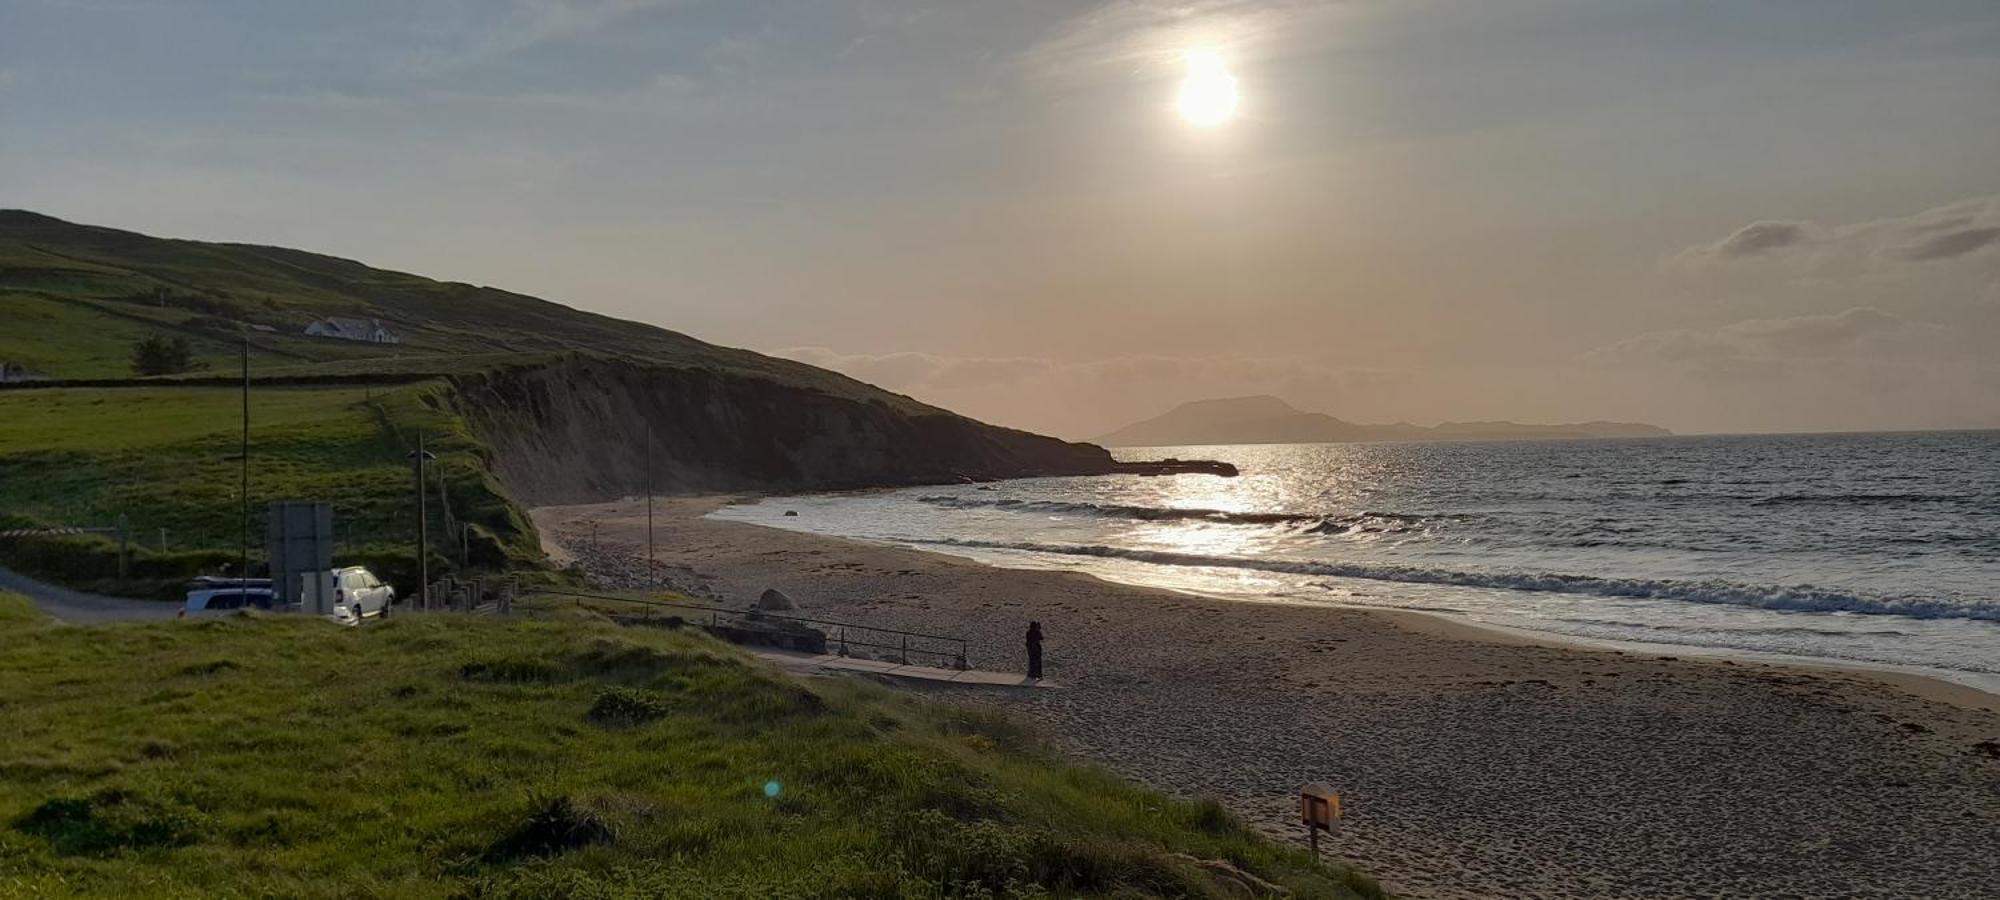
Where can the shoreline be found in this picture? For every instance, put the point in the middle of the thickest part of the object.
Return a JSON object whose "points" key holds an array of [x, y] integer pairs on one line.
{"points": [[1475, 763], [1970, 690], [1975, 692]]}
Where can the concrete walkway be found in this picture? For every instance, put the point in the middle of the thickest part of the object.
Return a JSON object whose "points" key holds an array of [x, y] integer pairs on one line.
{"points": [[79, 608], [831, 663]]}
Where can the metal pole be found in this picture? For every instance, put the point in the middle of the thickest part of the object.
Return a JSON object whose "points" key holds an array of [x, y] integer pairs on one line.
{"points": [[243, 573], [652, 578], [423, 533], [124, 545]]}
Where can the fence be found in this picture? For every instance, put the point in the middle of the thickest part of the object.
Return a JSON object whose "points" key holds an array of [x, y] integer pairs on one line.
{"points": [[842, 637]]}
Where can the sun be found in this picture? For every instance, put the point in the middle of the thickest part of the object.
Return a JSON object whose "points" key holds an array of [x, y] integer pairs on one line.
{"points": [[1208, 93]]}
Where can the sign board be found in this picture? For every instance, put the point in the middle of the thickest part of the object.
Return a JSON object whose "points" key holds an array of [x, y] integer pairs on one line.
{"points": [[1319, 806], [299, 539]]}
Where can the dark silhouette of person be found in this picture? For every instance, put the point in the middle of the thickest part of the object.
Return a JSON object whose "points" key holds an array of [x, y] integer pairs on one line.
{"points": [[1034, 649]]}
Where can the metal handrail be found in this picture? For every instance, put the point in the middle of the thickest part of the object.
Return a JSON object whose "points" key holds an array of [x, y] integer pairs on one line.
{"points": [[904, 648]]}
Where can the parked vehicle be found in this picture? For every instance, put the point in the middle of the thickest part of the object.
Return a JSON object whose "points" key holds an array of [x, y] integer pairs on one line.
{"points": [[358, 593], [216, 596]]}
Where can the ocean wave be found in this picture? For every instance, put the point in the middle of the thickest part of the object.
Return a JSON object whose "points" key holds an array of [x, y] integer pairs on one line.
{"points": [[1863, 498], [1789, 629], [1118, 511], [1309, 523], [1796, 598]]}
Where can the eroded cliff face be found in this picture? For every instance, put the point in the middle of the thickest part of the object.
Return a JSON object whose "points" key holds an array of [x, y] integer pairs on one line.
{"points": [[575, 432]]}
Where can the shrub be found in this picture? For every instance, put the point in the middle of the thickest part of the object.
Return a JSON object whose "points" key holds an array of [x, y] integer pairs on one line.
{"points": [[553, 826], [627, 707], [159, 355]]}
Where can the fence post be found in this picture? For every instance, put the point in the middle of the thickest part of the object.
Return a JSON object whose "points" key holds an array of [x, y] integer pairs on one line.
{"points": [[843, 640], [961, 656], [906, 649], [125, 546]]}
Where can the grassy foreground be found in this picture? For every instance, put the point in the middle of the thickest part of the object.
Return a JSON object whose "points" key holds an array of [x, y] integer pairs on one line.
{"points": [[555, 757]]}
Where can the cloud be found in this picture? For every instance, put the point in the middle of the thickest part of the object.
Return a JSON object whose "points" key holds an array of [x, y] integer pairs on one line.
{"points": [[1936, 235], [500, 29], [1113, 40], [1855, 333], [1951, 244], [1763, 237]]}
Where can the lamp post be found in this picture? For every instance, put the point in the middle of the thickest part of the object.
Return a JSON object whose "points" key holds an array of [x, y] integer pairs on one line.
{"points": [[417, 460], [243, 572]]}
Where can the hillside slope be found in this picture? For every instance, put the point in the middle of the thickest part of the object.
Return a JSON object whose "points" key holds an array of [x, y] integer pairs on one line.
{"points": [[78, 295], [428, 756]]}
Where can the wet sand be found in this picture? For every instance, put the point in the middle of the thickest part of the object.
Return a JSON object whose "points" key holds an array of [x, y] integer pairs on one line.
{"points": [[1472, 763]]}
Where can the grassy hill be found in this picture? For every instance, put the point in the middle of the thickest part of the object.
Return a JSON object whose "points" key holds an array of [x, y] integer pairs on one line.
{"points": [[448, 757], [84, 293], [527, 401]]}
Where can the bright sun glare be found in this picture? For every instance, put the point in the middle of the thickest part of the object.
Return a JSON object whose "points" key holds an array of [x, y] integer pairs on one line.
{"points": [[1208, 93]]}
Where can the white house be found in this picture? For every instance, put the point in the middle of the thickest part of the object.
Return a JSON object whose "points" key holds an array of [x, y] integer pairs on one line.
{"points": [[347, 329]]}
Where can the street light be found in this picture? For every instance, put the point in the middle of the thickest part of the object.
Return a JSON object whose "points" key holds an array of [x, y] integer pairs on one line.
{"points": [[417, 460]]}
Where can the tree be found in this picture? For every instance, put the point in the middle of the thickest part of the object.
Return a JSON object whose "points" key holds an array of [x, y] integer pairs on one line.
{"points": [[158, 355]]}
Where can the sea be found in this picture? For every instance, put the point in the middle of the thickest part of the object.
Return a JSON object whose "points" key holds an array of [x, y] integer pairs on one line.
{"points": [[1877, 550]]}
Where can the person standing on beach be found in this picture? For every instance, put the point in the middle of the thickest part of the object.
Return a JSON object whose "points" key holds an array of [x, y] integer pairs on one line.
{"points": [[1034, 649]]}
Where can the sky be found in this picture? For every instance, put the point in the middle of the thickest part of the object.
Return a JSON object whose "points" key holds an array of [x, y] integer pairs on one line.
{"points": [[1713, 216]]}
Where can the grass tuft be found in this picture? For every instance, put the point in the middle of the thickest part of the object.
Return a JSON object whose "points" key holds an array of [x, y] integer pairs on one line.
{"points": [[208, 667], [622, 707], [553, 826], [516, 669]]}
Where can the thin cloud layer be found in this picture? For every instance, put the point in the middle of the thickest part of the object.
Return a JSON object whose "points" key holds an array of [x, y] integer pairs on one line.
{"points": [[1743, 346], [1968, 228]]}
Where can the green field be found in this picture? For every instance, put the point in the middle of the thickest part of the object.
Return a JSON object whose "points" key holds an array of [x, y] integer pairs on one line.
{"points": [[462, 756], [85, 294], [166, 461]]}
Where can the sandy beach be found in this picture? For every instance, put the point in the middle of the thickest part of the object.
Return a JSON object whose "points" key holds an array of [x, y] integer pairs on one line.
{"points": [[1473, 764]]}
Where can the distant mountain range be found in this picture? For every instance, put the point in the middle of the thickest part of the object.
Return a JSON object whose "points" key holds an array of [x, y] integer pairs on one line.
{"points": [[1269, 420]]}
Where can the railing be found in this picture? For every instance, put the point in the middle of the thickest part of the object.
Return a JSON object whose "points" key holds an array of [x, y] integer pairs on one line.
{"points": [[840, 636]]}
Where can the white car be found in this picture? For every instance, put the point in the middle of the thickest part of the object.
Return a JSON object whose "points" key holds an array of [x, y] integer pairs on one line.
{"points": [[358, 593], [216, 597]]}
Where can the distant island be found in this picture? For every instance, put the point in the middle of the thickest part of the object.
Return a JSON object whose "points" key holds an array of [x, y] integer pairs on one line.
{"points": [[1269, 420]]}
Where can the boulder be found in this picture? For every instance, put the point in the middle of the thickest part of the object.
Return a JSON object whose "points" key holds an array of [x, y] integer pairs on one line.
{"points": [[774, 600]]}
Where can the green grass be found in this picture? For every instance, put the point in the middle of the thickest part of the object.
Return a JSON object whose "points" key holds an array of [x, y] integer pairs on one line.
{"points": [[17, 611], [434, 757], [164, 458], [93, 291]]}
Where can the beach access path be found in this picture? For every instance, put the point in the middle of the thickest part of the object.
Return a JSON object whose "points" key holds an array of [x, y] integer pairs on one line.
{"points": [[79, 608], [1472, 763]]}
